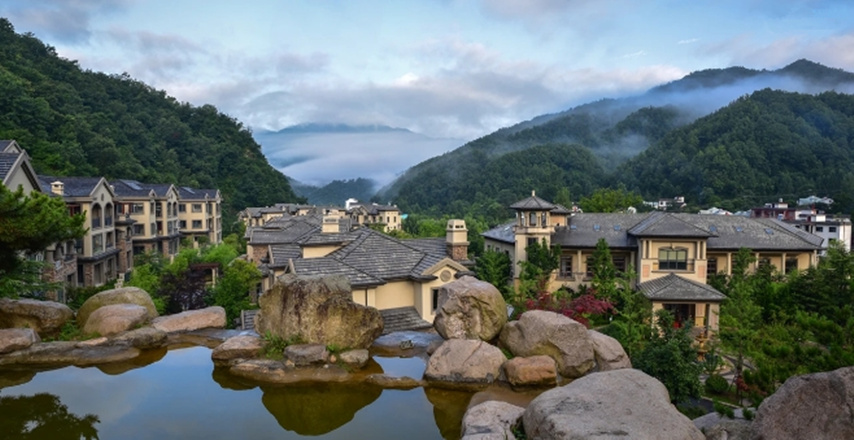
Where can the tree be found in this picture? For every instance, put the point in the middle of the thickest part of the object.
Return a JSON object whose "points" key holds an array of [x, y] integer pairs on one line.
{"points": [[610, 200], [563, 197], [670, 357], [232, 291], [495, 268], [537, 268], [604, 272], [43, 416], [29, 224]]}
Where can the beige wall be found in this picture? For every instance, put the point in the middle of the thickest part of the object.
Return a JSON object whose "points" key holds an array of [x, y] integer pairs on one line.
{"points": [[318, 251], [395, 294], [17, 177]]}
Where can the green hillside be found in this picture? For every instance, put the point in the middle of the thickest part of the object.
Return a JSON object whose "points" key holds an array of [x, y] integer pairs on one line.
{"points": [[75, 122], [765, 146]]}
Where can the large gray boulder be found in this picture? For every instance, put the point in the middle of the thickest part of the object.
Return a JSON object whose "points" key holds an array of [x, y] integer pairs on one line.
{"points": [[12, 339], [812, 406], [492, 420], [609, 353], [531, 371], [209, 317], [464, 363], [563, 339], [123, 295], [45, 317], [621, 404], [317, 310], [115, 318], [238, 347], [470, 309]]}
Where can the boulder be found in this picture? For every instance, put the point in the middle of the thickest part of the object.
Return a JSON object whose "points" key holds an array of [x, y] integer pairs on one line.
{"points": [[614, 404], [191, 320], [124, 295], [470, 309], [358, 358], [813, 406], [608, 352], [238, 347], [142, 338], [531, 371], [317, 310], [115, 318], [540, 332], [491, 420], [52, 354], [393, 382], [45, 317], [464, 362], [720, 428], [303, 355], [12, 339]]}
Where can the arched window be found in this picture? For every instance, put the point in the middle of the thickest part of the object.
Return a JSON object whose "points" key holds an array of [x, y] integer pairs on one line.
{"points": [[96, 216], [673, 259]]}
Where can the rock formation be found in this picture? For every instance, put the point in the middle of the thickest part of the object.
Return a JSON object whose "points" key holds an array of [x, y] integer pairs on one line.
{"points": [[45, 317], [609, 353], [317, 310], [124, 295], [551, 334], [115, 318], [491, 420], [464, 362], [209, 317], [470, 309]]}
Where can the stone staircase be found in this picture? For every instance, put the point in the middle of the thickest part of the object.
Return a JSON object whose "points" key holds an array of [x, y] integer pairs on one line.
{"points": [[403, 318]]}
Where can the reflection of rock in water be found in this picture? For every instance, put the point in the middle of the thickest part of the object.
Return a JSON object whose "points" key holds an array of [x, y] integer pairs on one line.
{"points": [[319, 408], [10, 378], [146, 357], [449, 406], [228, 381]]}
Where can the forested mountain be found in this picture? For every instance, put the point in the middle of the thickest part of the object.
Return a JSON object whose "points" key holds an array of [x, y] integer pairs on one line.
{"points": [[336, 192], [74, 122], [768, 145], [614, 131]]}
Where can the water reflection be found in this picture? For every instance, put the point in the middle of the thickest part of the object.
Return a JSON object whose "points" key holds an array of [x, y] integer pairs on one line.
{"points": [[43, 416], [449, 407], [319, 408], [147, 357]]}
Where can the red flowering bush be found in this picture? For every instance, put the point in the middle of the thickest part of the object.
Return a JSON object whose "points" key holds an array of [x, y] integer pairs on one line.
{"points": [[580, 308]]}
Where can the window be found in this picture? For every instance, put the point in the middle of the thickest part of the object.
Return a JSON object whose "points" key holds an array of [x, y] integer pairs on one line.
{"points": [[137, 208], [565, 270], [533, 219], [531, 241], [819, 229], [589, 269], [97, 243], [711, 267], [182, 207], [619, 264], [138, 230], [673, 259], [434, 293], [158, 210], [791, 264], [182, 224], [197, 224], [197, 207], [831, 229]]}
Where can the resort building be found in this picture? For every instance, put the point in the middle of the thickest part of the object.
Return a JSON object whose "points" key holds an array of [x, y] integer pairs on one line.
{"points": [[154, 209], [200, 215]]}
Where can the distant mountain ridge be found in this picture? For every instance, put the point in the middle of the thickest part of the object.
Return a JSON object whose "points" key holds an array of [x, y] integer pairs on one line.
{"points": [[336, 128], [614, 130]]}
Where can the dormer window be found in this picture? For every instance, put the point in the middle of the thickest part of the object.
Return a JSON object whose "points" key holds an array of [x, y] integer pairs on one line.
{"points": [[673, 259]]}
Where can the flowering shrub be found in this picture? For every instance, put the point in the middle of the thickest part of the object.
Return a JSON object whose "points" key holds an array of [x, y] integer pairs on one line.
{"points": [[581, 308]]}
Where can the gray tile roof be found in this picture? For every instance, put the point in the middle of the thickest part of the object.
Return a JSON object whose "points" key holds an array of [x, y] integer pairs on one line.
{"points": [[130, 188], [7, 161], [5, 143], [331, 266], [675, 288], [560, 209], [503, 233], [734, 232], [532, 203], [188, 193], [281, 253], [662, 224], [380, 255], [585, 230], [432, 246], [71, 186]]}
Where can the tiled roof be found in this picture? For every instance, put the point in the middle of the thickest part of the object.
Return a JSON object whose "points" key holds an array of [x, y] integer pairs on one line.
{"points": [[432, 246], [7, 161], [661, 224], [532, 203], [71, 186], [281, 253], [130, 188], [560, 209], [5, 143], [502, 233], [734, 232], [331, 266], [675, 288], [187, 193], [380, 255], [585, 230]]}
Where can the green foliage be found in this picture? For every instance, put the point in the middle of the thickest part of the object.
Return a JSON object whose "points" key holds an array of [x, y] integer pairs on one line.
{"points": [[541, 261], [716, 384], [232, 290], [25, 280], [43, 415], [610, 200], [632, 325], [723, 409], [274, 346], [604, 272], [671, 357], [740, 316], [76, 296], [748, 414], [495, 268]]}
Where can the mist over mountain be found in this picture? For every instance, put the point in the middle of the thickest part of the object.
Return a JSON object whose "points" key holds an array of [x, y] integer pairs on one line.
{"points": [[614, 130], [316, 154]]}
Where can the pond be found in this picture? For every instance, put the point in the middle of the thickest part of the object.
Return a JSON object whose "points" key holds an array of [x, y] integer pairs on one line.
{"points": [[181, 396]]}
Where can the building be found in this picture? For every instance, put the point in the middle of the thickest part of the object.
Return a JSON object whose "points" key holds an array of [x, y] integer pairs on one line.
{"points": [[673, 253], [16, 172], [97, 251], [387, 217], [154, 210], [384, 272], [200, 215], [832, 229]]}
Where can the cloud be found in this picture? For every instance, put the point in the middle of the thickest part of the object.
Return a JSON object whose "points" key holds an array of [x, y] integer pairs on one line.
{"points": [[834, 50], [65, 20], [688, 41]]}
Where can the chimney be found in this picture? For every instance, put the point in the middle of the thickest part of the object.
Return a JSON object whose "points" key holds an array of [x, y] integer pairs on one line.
{"points": [[456, 240], [57, 188], [330, 223]]}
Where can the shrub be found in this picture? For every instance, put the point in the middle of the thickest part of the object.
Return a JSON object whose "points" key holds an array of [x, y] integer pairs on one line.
{"points": [[748, 414], [723, 409], [716, 384]]}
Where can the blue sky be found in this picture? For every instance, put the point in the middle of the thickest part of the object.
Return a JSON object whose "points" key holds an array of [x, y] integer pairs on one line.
{"points": [[446, 68]]}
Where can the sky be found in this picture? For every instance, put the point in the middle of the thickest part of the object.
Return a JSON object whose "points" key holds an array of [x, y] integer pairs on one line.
{"points": [[445, 68]]}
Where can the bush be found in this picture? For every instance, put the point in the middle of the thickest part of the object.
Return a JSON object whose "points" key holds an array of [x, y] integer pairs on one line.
{"points": [[748, 414], [716, 384], [723, 409]]}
